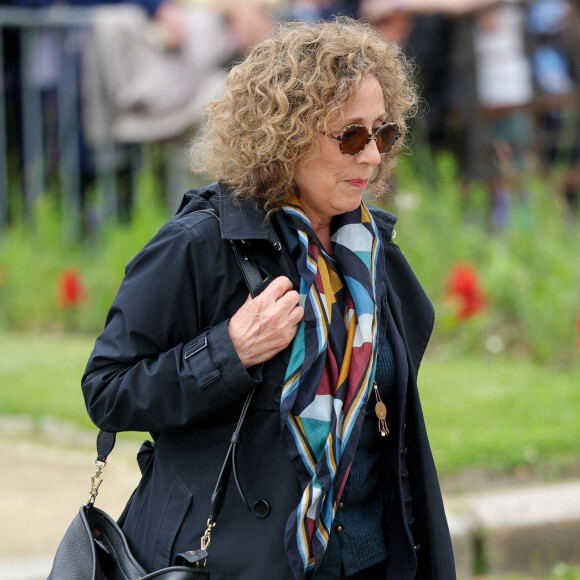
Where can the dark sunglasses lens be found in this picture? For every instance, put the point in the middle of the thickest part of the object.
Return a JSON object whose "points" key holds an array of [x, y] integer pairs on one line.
{"points": [[354, 140], [386, 138]]}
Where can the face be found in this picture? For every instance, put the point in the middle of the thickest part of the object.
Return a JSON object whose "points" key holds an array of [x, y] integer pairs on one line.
{"points": [[332, 183]]}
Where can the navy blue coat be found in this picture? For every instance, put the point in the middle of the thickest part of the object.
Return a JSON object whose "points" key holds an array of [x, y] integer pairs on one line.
{"points": [[165, 364]]}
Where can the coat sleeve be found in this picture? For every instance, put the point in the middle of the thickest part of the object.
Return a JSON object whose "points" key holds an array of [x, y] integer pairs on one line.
{"points": [[156, 366]]}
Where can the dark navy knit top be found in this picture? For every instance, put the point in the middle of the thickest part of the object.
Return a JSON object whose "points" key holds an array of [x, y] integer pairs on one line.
{"points": [[357, 537]]}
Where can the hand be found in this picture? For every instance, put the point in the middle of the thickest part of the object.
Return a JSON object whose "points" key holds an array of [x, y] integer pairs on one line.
{"points": [[265, 325]]}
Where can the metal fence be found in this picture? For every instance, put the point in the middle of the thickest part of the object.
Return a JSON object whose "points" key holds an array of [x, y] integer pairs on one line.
{"points": [[32, 31], [42, 143]]}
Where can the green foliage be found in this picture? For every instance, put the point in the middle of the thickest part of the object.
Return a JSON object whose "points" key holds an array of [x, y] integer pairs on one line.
{"points": [[35, 251], [529, 269]]}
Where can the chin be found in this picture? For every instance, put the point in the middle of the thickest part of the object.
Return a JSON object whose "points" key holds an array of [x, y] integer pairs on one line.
{"points": [[353, 203]]}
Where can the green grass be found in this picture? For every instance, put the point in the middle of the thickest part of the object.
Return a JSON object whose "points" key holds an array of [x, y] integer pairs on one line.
{"points": [[495, 413], [41, 374], [559, 572], [500, 413]]}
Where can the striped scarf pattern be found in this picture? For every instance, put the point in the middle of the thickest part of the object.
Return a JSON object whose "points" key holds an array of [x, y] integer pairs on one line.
{"points": [[330, 373]]}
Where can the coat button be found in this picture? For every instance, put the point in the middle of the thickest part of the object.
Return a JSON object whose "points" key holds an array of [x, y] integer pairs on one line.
{"points": [[408, 501], [261, 508], [278, 394], [339, 528], [341, 505], [405, 475], [277, 246], [404, 451], [417, 547], [411, 522]]}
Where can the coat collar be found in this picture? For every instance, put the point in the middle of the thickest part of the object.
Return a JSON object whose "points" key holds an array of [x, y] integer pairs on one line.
{"points": [[243, 221], [385, 221], [247, 220], [238, 221]]}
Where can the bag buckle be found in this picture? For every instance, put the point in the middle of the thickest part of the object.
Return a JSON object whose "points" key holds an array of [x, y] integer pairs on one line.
{"points": [[96, 481], [206, 538]]}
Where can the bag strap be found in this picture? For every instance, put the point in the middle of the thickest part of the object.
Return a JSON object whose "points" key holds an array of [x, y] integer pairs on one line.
{"points": [[106, 439], [105, 443], [253, 279]]}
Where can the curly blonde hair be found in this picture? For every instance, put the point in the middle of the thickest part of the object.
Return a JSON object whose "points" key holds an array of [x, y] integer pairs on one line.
{"points": [[287, 89]]}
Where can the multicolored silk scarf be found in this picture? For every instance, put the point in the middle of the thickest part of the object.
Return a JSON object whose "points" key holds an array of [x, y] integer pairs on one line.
{"points": [[330, 374]]}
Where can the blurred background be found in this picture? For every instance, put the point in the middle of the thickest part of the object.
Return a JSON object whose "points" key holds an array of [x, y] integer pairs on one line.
{"points": [[99, 101]]}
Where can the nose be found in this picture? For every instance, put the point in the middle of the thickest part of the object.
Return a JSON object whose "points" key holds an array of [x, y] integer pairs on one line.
{"points": [[370, 154]]}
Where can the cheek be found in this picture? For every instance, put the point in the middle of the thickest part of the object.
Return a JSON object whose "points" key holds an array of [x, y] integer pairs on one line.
{"points": [[322, 173], [330, 167]]}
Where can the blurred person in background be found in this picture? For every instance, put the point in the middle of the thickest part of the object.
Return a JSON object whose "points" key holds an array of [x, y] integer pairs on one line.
{"points": [[331, 486], [119, 66], [477, 85], [41, 68], [313, 9], [554, 37], [499, 138]]}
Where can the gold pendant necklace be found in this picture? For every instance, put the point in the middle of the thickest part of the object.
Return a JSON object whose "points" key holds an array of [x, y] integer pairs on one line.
{"points": [[381, 413]]}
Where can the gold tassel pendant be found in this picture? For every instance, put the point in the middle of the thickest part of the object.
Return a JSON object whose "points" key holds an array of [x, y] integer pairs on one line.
{"points": [[381, 413]]}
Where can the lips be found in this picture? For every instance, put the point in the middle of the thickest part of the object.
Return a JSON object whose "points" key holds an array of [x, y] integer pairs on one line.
{"points": [[360, 183]]}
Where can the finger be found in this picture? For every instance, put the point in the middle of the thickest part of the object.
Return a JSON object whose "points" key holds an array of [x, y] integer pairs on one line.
{"points": [[278, 287], [289, 300], [296, 315]]}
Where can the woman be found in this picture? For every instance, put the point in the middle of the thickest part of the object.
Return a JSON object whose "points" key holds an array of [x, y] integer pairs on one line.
{"points": [[312, 118]]}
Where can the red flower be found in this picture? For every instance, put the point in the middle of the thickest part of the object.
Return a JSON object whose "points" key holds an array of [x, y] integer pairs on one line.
{"points": [[71, 290], [463, 286]]}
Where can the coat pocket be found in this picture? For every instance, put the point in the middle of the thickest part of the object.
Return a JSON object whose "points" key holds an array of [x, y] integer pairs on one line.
{"points": [[177, 504], [145, 458]]}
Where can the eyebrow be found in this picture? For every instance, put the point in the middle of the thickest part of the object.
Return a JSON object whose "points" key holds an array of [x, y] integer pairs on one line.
{"points": [[360, 121]]}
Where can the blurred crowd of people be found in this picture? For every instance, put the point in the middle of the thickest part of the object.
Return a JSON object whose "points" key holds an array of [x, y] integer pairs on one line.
{"points": [[500, 80]]}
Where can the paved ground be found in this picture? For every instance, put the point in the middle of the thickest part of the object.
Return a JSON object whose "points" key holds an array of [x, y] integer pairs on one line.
{"points": [[513, 525], [44, 480]]}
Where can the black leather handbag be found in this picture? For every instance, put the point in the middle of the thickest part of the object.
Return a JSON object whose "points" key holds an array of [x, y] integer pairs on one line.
{"points": [[94, 546]]}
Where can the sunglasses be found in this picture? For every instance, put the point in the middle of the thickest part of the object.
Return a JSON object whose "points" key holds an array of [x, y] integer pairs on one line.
{"points": [[355, 138]]}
